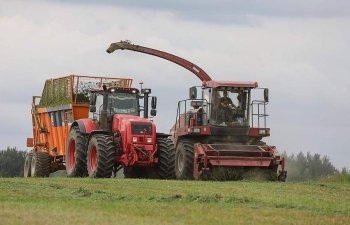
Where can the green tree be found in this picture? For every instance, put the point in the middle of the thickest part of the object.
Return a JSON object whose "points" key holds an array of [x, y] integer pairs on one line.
{"points": [[11, 162], [308, 167]]}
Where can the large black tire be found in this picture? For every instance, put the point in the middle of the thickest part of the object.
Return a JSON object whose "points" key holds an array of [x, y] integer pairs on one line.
{"points": [[27, 162], [40, 164], [76, 154], [100, 156], [184, 160], [166, 159]]}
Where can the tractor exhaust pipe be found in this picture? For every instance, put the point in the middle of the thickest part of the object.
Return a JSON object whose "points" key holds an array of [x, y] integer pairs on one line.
{"points": [[146, 92], [103, 117]]}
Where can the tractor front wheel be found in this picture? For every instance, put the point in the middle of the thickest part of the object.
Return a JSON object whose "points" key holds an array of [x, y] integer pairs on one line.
{"points": [[76, 154], [100, 156], [184, 160], [166, 158], [40, 164]]}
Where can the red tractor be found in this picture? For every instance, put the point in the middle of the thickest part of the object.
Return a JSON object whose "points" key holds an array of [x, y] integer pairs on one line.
{"points": [[221, 129], [92, 126], [115, 136]]}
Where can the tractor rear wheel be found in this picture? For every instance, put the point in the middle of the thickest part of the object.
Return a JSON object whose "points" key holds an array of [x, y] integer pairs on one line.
{"points": [[184, 160], [27, 162], [100, 156], [166, 159], [40, 164], [76, 154]]}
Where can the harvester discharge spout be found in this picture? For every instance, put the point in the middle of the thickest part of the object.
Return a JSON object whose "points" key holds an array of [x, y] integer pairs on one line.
{"points": [[196, 70]]}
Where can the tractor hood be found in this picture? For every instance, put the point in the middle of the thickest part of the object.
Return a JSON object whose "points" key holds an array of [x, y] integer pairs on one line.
{"points": [[121, 122]]}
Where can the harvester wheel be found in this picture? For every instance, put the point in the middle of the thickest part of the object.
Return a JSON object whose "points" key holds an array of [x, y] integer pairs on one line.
{"points": [[76, 154], [40, 164], [184, 160], [166, 156], [27, 162], [100, 156]]}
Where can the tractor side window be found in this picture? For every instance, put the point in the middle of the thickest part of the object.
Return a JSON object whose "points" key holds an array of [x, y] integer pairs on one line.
{"points": [[99, 102]]}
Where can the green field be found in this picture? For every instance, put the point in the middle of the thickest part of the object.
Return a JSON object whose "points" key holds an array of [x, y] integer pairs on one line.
{"points": [[124, 201]]}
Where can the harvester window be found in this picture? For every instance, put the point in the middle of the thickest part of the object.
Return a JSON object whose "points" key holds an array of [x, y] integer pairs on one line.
{"points": [[227, 107]]}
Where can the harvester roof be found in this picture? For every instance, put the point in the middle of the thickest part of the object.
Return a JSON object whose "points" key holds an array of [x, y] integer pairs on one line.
{"points": [[215, 84]]}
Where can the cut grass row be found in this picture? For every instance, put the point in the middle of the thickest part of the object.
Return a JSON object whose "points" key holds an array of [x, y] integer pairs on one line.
{"points": [[124, 201]]}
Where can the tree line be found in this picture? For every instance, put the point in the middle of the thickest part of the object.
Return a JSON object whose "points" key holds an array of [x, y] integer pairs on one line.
{"points": [[11, 162], [303, 167], [300, 167]]}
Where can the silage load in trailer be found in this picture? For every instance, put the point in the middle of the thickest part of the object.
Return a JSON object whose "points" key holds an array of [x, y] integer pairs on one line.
{"points": [[75, 89]]}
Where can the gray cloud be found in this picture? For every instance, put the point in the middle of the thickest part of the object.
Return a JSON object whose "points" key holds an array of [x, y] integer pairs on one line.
{"points": [[235, 11]]}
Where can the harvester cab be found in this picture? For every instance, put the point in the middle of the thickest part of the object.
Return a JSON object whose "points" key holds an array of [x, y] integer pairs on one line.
{"points": [[224, 104], [221, 129]]}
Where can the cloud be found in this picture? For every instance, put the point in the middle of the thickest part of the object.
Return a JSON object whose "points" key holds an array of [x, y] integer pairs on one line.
{"points": [[235, 11], [302, 58]]}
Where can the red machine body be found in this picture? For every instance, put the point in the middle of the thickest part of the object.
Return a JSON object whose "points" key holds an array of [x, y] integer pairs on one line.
{"points": [[138, 146], [208, 134]]}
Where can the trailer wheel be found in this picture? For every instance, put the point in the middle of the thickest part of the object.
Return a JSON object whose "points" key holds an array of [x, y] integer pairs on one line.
{"points": [[27, 162], [76, 154], [166, 156], [184, 160], [100, 156], [40, 164]]}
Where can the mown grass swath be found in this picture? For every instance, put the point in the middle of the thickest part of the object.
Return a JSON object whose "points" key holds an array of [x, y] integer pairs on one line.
{"points": [[126, 201]]}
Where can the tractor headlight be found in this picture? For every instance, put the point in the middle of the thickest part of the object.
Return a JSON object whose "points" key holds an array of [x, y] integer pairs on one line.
{"points": [[196, 130], [134, 139], [149, 140], [262, 132]]}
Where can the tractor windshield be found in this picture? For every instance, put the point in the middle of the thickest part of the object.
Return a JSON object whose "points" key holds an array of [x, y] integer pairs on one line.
{"points": [[123, 103], [228, 106]]}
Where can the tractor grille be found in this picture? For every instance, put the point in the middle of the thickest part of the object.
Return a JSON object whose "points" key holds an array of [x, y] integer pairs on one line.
{"points": [[141, 128]]}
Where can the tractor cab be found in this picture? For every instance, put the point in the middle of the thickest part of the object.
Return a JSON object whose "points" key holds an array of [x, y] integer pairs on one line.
{"points": [[109, 101], [119, 101]]}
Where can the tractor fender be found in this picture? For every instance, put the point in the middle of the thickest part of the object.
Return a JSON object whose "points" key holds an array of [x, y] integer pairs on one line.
{"points": [[86, 126]]}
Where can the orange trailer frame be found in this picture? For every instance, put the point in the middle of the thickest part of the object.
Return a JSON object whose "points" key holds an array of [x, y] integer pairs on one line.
{"points": [[60, 105]]}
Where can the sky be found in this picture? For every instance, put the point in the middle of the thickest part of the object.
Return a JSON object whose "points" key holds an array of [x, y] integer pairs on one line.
{"points": [[298, 49]]}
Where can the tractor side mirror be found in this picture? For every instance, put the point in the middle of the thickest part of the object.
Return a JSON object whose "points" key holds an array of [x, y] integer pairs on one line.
{"points": [[93, 99], [92, 108], [153, 112], [154, 102], [193, 93], [266, 95]]}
